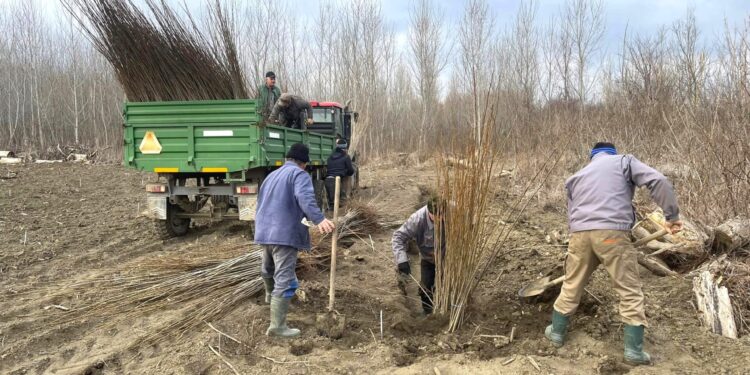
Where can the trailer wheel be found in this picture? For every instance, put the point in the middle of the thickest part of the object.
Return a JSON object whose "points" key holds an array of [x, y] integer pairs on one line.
{"points": [[173, 226]]}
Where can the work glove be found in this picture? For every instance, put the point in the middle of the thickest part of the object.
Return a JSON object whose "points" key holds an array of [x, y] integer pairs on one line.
{"points": [[309, 121], [404, 268], [403, 276]]}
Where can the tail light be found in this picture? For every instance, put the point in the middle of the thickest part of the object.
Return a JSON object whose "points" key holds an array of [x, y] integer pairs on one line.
{"points": [[246, 189], [156, 188]]}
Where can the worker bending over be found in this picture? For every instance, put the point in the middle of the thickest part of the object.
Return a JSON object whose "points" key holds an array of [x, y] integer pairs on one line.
{"points": [[600, 217], [420, 227], [292, 111]]}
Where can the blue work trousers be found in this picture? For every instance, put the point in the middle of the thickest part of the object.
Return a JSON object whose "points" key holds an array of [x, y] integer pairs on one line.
{"points": [[279, 262]]}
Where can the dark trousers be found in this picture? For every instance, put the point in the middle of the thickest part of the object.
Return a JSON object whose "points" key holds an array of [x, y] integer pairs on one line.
{"points": [[330, 183], [428, 285], [292, 121]]}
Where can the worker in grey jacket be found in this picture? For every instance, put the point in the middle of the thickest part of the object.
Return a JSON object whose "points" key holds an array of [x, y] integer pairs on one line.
{"points": [[600, 217], [285, 198], [420, 227], [292, 111]]}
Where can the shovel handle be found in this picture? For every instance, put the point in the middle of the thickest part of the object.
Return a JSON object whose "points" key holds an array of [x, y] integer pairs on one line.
{"points": [[334, 242], [555, 281]]}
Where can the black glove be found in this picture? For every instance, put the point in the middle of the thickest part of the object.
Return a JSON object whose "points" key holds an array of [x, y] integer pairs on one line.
{"points": [[404, 268]]}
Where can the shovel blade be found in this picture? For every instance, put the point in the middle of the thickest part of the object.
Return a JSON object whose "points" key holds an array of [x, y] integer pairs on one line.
{"points": [[535, 287]]}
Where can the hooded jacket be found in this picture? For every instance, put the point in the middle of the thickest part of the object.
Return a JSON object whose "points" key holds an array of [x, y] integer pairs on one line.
{"points": [[339, 164]]}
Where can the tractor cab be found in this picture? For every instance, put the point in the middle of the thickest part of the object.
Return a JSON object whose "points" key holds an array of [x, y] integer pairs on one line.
{"points": [[331, 118]]}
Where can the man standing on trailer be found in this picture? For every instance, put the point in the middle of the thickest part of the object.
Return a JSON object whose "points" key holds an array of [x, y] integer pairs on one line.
{"points": [[420, 226], [292, 111], [600, 216], [285, 198], [268, 94]]}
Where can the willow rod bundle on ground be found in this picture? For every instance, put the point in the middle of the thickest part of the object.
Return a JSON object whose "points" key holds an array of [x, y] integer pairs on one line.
{"points": [[204, 286], [161, 57], [207, 288], [359, 221], [473, 238]]}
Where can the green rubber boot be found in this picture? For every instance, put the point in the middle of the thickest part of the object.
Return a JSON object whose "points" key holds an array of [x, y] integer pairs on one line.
{"points": [[556, 331], [268, 283], [279, 308], [634, 354]]}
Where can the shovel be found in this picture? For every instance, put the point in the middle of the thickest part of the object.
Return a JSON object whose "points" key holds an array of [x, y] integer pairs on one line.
{"points": [[331, 324], [538, 286]]}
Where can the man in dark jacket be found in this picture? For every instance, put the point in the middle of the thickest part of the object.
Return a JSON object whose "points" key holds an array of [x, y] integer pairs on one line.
{"points": [[292, 111], [339, 165], [600, 217], [285, 198], [420, 226], [268, 94]]}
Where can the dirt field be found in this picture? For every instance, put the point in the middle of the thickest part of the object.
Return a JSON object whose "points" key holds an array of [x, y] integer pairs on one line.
{"points": [[63, 223]]}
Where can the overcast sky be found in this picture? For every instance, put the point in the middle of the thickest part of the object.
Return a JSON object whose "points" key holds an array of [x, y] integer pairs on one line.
{"points": [[639, 16]]}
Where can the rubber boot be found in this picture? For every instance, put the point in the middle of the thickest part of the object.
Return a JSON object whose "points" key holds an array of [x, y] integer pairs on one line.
{"points": [[634, 354], [279, 308], [556, 331], [268, 283]]}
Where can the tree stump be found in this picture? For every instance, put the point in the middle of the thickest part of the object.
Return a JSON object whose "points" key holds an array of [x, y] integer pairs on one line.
{"points": [[713, 301], [732, 235]]}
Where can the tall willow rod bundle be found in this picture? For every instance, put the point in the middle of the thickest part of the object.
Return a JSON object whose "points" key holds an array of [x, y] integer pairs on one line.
{"points": [[473, 237], [161, 56], [466, 189]]}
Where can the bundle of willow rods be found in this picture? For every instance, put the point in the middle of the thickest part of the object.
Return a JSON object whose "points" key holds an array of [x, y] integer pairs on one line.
{"points": [[161, 57], [473, 235], [359, 221], [206, 285], [207, 288]]}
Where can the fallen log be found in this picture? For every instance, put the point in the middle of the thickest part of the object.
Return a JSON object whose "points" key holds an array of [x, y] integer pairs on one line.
{"points": [[655, 265], [713, 301], [732, 235], [11, 160]]}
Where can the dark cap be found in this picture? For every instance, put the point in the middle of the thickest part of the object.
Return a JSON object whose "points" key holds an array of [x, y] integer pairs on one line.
{"points": [[270, 74], [299, 152], [604, 145]]}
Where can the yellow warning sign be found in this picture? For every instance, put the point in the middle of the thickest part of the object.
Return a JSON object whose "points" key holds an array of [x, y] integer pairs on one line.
{"points": [[149, 144]]}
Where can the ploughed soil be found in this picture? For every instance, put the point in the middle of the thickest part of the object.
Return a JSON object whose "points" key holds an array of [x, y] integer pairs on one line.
{"points": [[65, 223]]}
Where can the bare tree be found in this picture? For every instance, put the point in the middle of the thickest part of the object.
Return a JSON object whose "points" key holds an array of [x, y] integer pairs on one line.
{"points": [[427, 45], [584, 20], [475, 35], [524, 49], [691, 59]]}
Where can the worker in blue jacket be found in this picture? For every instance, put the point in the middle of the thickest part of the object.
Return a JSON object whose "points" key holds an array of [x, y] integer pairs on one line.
{"points": [[285, 198]]}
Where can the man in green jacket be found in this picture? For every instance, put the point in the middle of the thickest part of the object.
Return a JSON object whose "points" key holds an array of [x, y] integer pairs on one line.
{"points": [[268, 94]]}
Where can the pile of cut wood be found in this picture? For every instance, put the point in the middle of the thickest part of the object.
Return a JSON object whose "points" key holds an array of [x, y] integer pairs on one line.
{"points": [[718, 261]]}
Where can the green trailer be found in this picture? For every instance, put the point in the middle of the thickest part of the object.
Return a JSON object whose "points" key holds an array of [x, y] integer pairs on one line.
{"points": [[212, 156]]}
